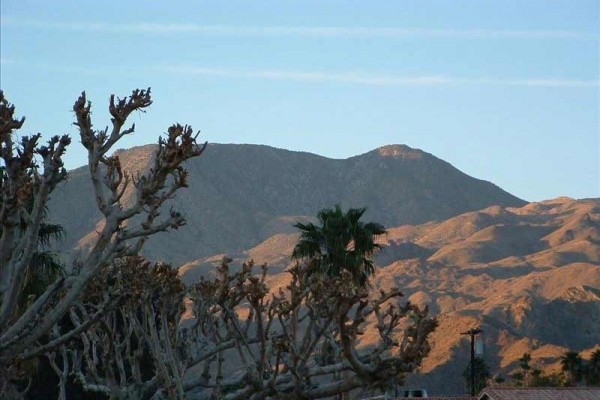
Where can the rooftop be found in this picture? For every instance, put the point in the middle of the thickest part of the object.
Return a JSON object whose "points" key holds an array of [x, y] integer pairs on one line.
{"points": [[569, 393]]}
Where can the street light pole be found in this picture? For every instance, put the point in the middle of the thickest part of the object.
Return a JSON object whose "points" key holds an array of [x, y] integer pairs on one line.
{"points": [[472, 333]]}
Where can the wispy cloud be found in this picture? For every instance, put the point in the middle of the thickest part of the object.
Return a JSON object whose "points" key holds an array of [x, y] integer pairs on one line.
{"points": [[307, 31], [573, 83], [305, 76], [353, 78], [378, 80], [4, 61]]}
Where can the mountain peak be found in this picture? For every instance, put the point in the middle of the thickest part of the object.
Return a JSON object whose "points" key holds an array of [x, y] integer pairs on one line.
{"points": [[239, 193], [400, 151]]}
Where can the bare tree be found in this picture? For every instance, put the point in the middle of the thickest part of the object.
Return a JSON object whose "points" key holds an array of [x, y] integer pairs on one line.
{"points": [[134, 351], [245, 342], [32, 171], [114, 323], [278, 338]]}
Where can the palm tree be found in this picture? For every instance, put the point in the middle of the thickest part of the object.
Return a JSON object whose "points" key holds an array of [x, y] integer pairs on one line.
{"points": [[45, 266], [482, 374], [340, 242], [525, 366], [593, 369], [572, 364]]}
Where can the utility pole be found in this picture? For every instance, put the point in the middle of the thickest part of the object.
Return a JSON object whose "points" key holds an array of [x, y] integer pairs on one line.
{"points": [[472, 333]]}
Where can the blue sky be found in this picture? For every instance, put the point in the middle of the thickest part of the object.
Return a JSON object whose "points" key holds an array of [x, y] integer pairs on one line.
{"points": [[506, 91]]}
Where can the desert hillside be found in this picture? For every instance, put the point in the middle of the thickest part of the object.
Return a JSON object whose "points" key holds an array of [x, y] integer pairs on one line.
{"points": [[528, 276], [239, 195]]}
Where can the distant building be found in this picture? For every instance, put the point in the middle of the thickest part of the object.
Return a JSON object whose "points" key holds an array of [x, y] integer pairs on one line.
{"points": [[575, 393], [512, 393], [437, 398]]}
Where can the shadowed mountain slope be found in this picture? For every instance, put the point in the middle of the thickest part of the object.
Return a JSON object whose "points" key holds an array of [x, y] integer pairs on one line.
{"points": [[240, 195]]}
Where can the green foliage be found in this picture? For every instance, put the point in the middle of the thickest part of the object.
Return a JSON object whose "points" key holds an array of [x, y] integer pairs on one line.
{"points": [[539, 379], [517, 376], [49, 233], [482, 374], [572, 365], [592, 372], [340, 242], [536, 376], [575, 370], [524, 363], [45, 266]]}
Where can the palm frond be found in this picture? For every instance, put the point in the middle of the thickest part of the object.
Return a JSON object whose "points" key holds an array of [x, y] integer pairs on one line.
{"points": [[49, 232], [341, 242], [44, 269]]}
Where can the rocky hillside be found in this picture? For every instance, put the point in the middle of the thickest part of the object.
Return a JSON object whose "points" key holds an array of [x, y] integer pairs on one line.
{"points": [[528, 276], [239, 195]]}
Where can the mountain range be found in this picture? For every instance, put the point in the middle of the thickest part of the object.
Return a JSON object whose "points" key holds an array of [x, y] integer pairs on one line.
{"points": [[528, 274], [239, 195]]}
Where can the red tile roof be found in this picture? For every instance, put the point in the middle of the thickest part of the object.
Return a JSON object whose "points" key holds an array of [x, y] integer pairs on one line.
{"points": [[497, 393], [450, 398]]}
